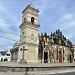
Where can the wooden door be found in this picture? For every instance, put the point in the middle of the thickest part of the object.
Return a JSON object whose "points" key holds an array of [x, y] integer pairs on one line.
{"points": [[60, 57]]}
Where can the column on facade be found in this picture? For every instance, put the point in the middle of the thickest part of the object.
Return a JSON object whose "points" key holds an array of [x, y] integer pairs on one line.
{"points": [[58, 54], [50, 52], [48, 56], [11, 56], [54, 54], [65, 55], [62, 54], [68, 59], [43, 56]]}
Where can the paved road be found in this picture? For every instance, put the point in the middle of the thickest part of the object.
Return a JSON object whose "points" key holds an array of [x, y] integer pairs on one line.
{"points": [[11, 64], [38, 73], [69, 73], [54, 72]]}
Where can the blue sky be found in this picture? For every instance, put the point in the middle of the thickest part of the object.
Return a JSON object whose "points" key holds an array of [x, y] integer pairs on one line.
{"points": [[53, 15]]}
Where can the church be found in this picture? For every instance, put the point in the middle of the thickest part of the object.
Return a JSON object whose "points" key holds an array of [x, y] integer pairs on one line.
{"points": [[35, 48]]}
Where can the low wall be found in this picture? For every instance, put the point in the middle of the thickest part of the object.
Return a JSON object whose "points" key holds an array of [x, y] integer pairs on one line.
{"points": [[26, 69]]}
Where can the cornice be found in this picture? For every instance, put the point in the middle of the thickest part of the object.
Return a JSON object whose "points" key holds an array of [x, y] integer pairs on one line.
{"points": [[30, 8], [30, 24], [31, 13], [27, 43]]}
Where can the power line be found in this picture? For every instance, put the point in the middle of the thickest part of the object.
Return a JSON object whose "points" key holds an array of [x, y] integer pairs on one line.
{"points": [[8, 38], [12, 33], [9, 33]]}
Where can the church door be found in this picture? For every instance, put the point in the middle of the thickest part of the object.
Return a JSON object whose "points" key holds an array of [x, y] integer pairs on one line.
{"points": [[70, 58], [45, 57], [60, 57]]}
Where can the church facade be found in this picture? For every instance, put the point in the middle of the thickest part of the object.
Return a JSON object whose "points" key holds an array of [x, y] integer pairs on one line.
{"points": [[40, 49], [55, 48]]}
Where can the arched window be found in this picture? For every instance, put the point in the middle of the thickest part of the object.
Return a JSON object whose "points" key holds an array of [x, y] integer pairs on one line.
{"points": [[24, 19], [32, 20]]}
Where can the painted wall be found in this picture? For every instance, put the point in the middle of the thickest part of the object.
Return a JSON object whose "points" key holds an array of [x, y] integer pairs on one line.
{"points": [[5, 56]]}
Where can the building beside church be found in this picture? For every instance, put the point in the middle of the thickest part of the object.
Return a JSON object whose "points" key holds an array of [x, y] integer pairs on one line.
{"points": [[5, 56], [40, 49]]}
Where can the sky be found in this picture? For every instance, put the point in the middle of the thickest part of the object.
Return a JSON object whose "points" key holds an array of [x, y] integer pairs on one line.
{"points": [[53, 15]]}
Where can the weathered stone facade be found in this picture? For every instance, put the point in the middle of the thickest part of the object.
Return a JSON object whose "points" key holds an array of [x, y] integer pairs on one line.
{"points": [[29, 40], [14, 52], [55, 48], [74, 51], [43, 49]]}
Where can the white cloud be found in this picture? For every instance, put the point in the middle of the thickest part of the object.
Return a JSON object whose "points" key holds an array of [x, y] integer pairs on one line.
{"points": [[66, 17], [67, 24], [48, 11], [7, 19]]}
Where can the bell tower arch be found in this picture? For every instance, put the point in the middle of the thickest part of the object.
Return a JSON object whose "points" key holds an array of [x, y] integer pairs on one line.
{"points": [[32, 20], [30, 13]]}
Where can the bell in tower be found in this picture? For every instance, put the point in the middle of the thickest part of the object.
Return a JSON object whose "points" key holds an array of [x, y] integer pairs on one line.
{"points": [[32, 20], [30, 14]]}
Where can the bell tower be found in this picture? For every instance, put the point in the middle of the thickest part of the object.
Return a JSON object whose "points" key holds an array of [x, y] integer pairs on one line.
{"points": [[30, 14], [29, 34], [29, 24]]}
